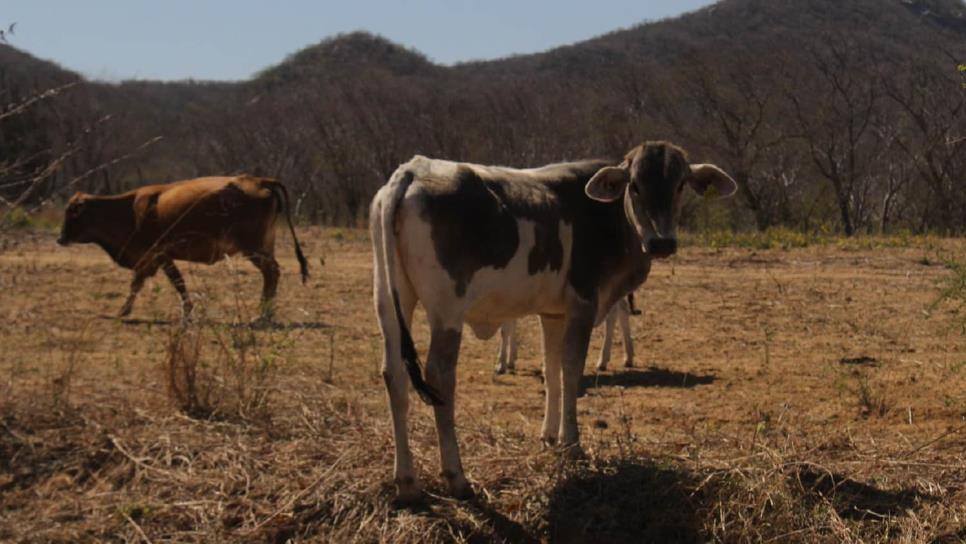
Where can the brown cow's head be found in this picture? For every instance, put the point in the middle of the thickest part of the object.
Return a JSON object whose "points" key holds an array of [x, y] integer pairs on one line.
{"points": [[76, 228], [651, 179]]}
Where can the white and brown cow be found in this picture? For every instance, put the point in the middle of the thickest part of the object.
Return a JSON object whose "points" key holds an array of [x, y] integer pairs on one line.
{"points": [[507, 358], [481, 245]]}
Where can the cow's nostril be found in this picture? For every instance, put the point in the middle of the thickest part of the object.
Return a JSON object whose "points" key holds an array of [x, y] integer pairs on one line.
{"points": [[662, 247]]}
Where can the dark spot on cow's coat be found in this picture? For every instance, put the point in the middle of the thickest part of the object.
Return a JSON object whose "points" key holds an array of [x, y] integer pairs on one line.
{"points": [[547, 250], [474, 222], [471, 228]]}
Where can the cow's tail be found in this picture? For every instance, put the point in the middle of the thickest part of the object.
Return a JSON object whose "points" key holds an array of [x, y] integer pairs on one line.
{"points": [[382, 228], [281, 193]]}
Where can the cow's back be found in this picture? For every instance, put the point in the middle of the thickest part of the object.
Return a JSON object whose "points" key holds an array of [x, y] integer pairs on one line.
{"points": [[206, 218]]}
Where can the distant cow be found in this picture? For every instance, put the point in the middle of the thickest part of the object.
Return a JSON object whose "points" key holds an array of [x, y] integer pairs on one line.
{"points": [[482, 245], [199, 220], [507, 358]]}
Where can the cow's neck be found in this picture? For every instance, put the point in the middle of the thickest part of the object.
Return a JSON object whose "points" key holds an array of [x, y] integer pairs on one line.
{"points": [[115, 226], [630, 270]]}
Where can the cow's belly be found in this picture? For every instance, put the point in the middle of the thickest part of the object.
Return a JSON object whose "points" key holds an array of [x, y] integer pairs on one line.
{"points": [[491, 295], [495, 299], [201, 251]]}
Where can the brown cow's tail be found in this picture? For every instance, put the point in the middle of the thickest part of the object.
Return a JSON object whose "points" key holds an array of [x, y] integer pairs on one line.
{"points": [[382, 225], [281, 193]]}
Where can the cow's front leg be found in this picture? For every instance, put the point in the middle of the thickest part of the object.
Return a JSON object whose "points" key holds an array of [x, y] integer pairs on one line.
{"points": [[140, 276], [174, 275], [580, 323], [508, 347], [553, 342], [608, 339], [444, 348]]}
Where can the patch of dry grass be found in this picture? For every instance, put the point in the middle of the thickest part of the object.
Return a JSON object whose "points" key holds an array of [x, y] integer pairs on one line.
{"points": [[705, 443]]}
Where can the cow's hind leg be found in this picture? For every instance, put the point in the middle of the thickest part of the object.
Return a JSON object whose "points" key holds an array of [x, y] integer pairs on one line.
{"points": [[444, 348], [174, 275], [140, 275], [624, 312], [268, 266], [608, 339], [508, 347], [397, 387]]}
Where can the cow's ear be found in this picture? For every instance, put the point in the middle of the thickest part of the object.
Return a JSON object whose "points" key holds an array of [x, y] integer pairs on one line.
{"points": [[704, 176], [608, 184]]}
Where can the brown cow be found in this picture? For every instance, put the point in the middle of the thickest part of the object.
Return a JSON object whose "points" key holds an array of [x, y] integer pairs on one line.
{"points": [[199, 220]]}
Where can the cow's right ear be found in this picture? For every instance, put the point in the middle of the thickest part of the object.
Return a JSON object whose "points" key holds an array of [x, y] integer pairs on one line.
{"points": [[608, 184]]}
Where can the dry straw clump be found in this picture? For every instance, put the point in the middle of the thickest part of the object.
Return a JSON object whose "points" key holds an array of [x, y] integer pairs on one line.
{"points": [[214, 370]]}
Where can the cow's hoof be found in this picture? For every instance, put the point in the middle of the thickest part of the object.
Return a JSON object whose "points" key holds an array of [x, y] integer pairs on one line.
{"points": [[500, 369], [125, 311], [461, 492], [601, 367], [407, 494], [628, 364], [573, 452], [262, 322], [549, 441], [458, 487]]}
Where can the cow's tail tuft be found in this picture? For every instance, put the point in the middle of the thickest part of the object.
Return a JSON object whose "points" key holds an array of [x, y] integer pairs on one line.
{"points": [[382, 224], [281, 193]]}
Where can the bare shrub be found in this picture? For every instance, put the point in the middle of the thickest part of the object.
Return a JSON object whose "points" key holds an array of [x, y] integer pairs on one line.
{"points": [[871, 400], [953, 291], [220, 371]]}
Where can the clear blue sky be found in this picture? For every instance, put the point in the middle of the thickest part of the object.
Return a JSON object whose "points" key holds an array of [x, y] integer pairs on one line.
{"points": [[225, 40]]}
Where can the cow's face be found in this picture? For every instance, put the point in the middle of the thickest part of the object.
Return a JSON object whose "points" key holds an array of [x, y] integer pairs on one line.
{"points": [[76, 226], [651, 179]]}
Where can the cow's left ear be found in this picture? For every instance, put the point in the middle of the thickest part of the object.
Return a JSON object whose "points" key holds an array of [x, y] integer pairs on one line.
{"points": [[608, 184], [708, 175]]}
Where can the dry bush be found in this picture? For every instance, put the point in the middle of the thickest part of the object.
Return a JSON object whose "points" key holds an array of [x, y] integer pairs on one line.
{"points": [[952, 290], [220, 370]]}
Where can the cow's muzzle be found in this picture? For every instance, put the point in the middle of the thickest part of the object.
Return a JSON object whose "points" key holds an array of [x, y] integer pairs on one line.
{"points": [[662, 247]]}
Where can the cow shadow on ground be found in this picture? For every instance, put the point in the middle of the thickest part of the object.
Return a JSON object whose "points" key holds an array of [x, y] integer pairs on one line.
{"points": [[625, 501], [138, 322], [283, 326], [650, 377], [852, 499], [273, 326]]}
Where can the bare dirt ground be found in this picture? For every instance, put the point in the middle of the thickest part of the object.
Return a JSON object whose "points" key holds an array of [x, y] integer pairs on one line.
{"points": [[800, 395]]}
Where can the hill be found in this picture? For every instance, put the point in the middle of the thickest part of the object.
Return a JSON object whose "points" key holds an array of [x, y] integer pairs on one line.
{"points": [[335, 118]]}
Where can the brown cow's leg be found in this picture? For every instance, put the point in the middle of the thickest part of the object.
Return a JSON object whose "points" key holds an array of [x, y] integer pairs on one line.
{"points": [[268, 266], [140, 275], [173, 274], [444, 348]]}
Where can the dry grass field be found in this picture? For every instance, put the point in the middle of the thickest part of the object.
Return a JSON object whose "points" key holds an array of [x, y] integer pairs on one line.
{"points": [[800, 395]]}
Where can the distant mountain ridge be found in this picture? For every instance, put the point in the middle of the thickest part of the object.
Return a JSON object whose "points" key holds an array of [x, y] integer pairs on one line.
{"points": [[660, 40], [338, 116]]}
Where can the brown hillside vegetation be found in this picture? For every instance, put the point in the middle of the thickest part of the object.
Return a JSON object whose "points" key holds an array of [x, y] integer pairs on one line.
{"points": [[830, 114], [786, 395]]}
